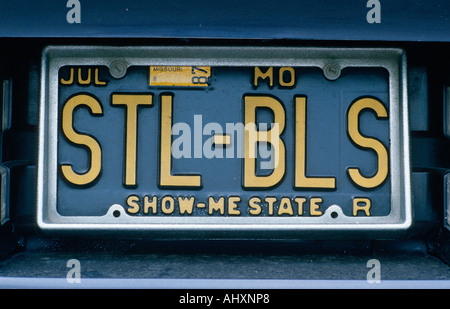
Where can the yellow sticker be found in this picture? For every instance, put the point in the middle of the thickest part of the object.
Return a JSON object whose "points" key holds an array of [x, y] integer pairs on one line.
{"points": [[163, 75]]}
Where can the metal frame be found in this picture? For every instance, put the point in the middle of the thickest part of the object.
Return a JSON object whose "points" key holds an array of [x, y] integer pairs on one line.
{"points": [[6, 105], [396, 224], [447, 201], [446, 115]]}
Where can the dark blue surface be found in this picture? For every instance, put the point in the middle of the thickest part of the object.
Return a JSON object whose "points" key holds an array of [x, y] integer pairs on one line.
{"points": [[329, 150], [419, 20]]}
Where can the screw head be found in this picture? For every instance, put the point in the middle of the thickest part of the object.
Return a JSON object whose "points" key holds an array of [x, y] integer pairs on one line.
{"points": [[118, 69], [331, 71]]}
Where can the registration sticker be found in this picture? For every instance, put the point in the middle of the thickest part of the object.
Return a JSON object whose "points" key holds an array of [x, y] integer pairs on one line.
{"points": [[190, 76]]}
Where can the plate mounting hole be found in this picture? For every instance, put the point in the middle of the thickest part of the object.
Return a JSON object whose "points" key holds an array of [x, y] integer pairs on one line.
{"points": [[118, 69], [334, 215], [116, 213], [331, 71]]}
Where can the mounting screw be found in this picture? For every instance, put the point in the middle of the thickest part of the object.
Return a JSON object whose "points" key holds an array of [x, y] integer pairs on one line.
{"points": [[118, 69], [331, 71]]}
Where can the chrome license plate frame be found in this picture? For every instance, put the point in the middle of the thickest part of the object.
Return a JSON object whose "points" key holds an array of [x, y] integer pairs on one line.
{"points": [[396, 224]]}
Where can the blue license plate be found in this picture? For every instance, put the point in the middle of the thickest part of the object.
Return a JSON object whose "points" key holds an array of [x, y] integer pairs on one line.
{"points": [[224, 142]]}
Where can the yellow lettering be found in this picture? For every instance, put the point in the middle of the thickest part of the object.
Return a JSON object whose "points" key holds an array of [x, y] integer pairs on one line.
{"points": [[255, 206], [167, 205], [291, 74], [366, 204], [150, 204], [367, 142], [314, 206], [96, 80], [82, 139], [272, 136], [270, 201], [258, 74], [131, 101], [221, 140], [301, 180], [285, 207], [165, 177], [186, 204], [216, 206], [70, 81], [132, 202], [300, 202], [82, 81], [232, 206]]}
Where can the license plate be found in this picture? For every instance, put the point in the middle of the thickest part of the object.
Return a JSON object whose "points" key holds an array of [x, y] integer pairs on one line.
{"points": [[203, 142]]}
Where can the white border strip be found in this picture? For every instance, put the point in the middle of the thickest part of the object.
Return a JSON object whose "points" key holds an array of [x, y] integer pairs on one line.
{"points": [[128, 283]]}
